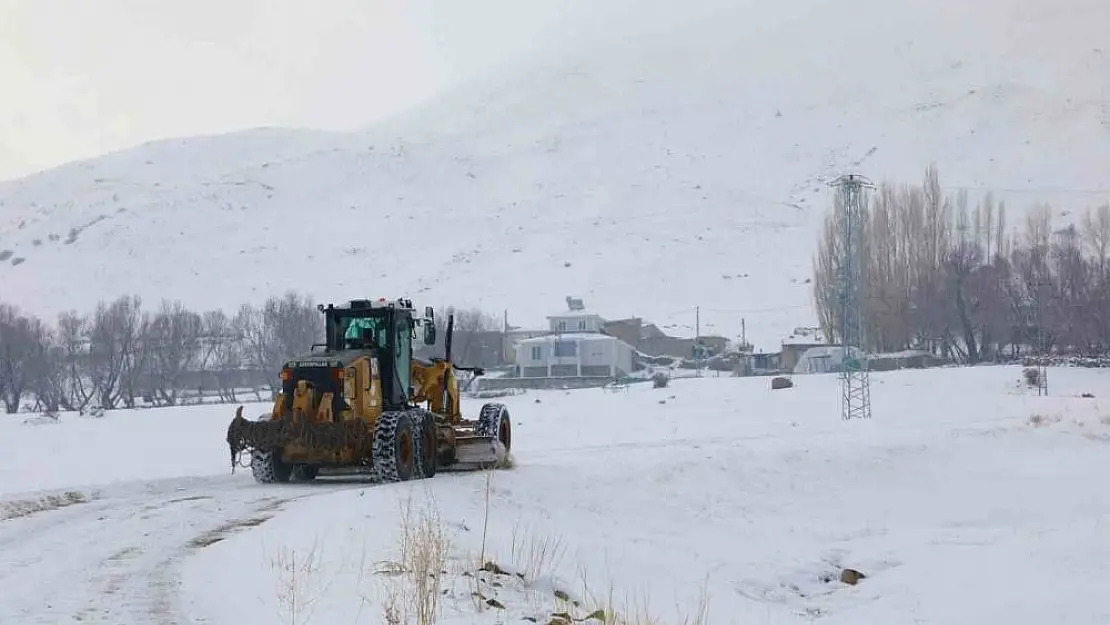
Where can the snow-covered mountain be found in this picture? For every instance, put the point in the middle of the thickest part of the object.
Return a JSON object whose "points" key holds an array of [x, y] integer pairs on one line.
{"points": [[678, 161]]}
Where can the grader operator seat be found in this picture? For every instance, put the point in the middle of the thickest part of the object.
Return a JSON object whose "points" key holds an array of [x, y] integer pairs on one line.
{"points": [[365, 333]]}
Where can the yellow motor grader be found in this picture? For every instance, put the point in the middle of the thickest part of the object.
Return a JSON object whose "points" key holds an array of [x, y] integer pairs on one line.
{"points": [[364, 405]]}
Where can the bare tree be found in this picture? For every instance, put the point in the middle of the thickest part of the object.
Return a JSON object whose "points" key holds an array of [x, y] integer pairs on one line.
{"points": [[962, 262], [1096, 236], [295, 323], [20, 338], [473, 342], [905, 245], [282, 328], [114, 337], [221, 352], [75, 362], [48, 376], [172, 345], [826, 270], [473, 319], [944, 275]]}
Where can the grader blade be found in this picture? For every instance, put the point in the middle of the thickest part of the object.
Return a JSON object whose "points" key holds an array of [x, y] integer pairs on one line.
{"points": [[479, 452]]}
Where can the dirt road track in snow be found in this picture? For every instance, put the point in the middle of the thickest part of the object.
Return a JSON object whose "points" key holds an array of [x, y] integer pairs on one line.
{"points": [[116, 559]]}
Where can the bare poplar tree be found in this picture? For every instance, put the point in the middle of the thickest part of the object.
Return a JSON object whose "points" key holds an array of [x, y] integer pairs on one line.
{"points": [[1096, 235], [826, 270]]}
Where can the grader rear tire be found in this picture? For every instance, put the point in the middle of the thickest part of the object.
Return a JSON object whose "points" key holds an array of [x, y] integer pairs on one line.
{"points": [[397, 447], [304, 473], [268, 468]]}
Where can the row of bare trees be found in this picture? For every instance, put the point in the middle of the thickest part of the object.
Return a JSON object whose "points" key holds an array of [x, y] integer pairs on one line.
{"points": [[952, 279], [121, 355]]}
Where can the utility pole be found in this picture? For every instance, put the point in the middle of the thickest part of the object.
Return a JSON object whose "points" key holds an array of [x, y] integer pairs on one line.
{"points": [[1041, 353], [855, 385], [697, 340], [505, 338]]}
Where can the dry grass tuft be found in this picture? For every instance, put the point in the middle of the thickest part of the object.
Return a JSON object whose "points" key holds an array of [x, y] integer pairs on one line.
{"points": [[534, 560], [415, 579], [639, 611], [300, 583], [535, 556], [484, 588]]}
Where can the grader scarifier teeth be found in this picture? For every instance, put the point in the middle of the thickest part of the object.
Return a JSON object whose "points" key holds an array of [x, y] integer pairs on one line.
{"points": [[264, 434], [268, 434]]}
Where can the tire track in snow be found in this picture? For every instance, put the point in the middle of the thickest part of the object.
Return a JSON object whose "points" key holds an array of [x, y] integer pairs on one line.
{"points": [[117, 560]]}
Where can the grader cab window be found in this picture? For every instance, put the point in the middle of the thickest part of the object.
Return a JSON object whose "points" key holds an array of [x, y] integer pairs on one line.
{"points": [[365, 333]]}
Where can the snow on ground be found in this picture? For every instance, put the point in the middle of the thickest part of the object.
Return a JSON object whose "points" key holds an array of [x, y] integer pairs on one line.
{"points": [[956, 507], [86, 452], [967, 499], [689, 148]]}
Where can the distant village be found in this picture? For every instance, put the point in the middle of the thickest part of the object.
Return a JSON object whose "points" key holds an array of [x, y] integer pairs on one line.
{"points": [[581, 348], [122, 355]]}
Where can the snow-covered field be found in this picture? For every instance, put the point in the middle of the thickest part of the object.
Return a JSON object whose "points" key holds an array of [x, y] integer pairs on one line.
{"points": [[678, 160], [967, 499]]}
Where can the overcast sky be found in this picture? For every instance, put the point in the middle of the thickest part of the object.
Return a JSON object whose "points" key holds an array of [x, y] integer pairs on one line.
{"points": [[83, 77]]}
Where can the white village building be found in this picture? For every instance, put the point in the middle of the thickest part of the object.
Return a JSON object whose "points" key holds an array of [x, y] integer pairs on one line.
{"points": [[575, 348]]}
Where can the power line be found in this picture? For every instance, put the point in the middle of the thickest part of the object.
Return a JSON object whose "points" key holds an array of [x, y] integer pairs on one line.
{"points": [[755, 310], [731, 311], [1030, 190]]}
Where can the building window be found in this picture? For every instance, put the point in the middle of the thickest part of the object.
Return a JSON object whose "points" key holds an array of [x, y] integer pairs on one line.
{"points": [[536, 352], [582, 325], [562, 326], [565, 349]]}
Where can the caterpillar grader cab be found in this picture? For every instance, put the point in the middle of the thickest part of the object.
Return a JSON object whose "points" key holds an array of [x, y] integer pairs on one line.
{"points": [[364, 405]]}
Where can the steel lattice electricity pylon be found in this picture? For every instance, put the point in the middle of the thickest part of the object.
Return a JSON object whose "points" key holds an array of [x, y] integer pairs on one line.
{"points": [[855, 385]]}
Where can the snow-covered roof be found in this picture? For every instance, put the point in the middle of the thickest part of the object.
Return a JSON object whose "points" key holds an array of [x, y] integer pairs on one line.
{"points": [[527, 331], [568, 336], [834, 355], [806, 336], [573, 314], [906, 353]]}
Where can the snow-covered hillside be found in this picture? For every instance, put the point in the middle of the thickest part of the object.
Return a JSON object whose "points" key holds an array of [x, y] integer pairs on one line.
{"points": [[977, 505], [680, 163]]}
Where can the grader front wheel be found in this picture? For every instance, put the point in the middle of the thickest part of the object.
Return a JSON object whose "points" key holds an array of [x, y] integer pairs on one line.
{"points": [[494, 421], [429, 445]]}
